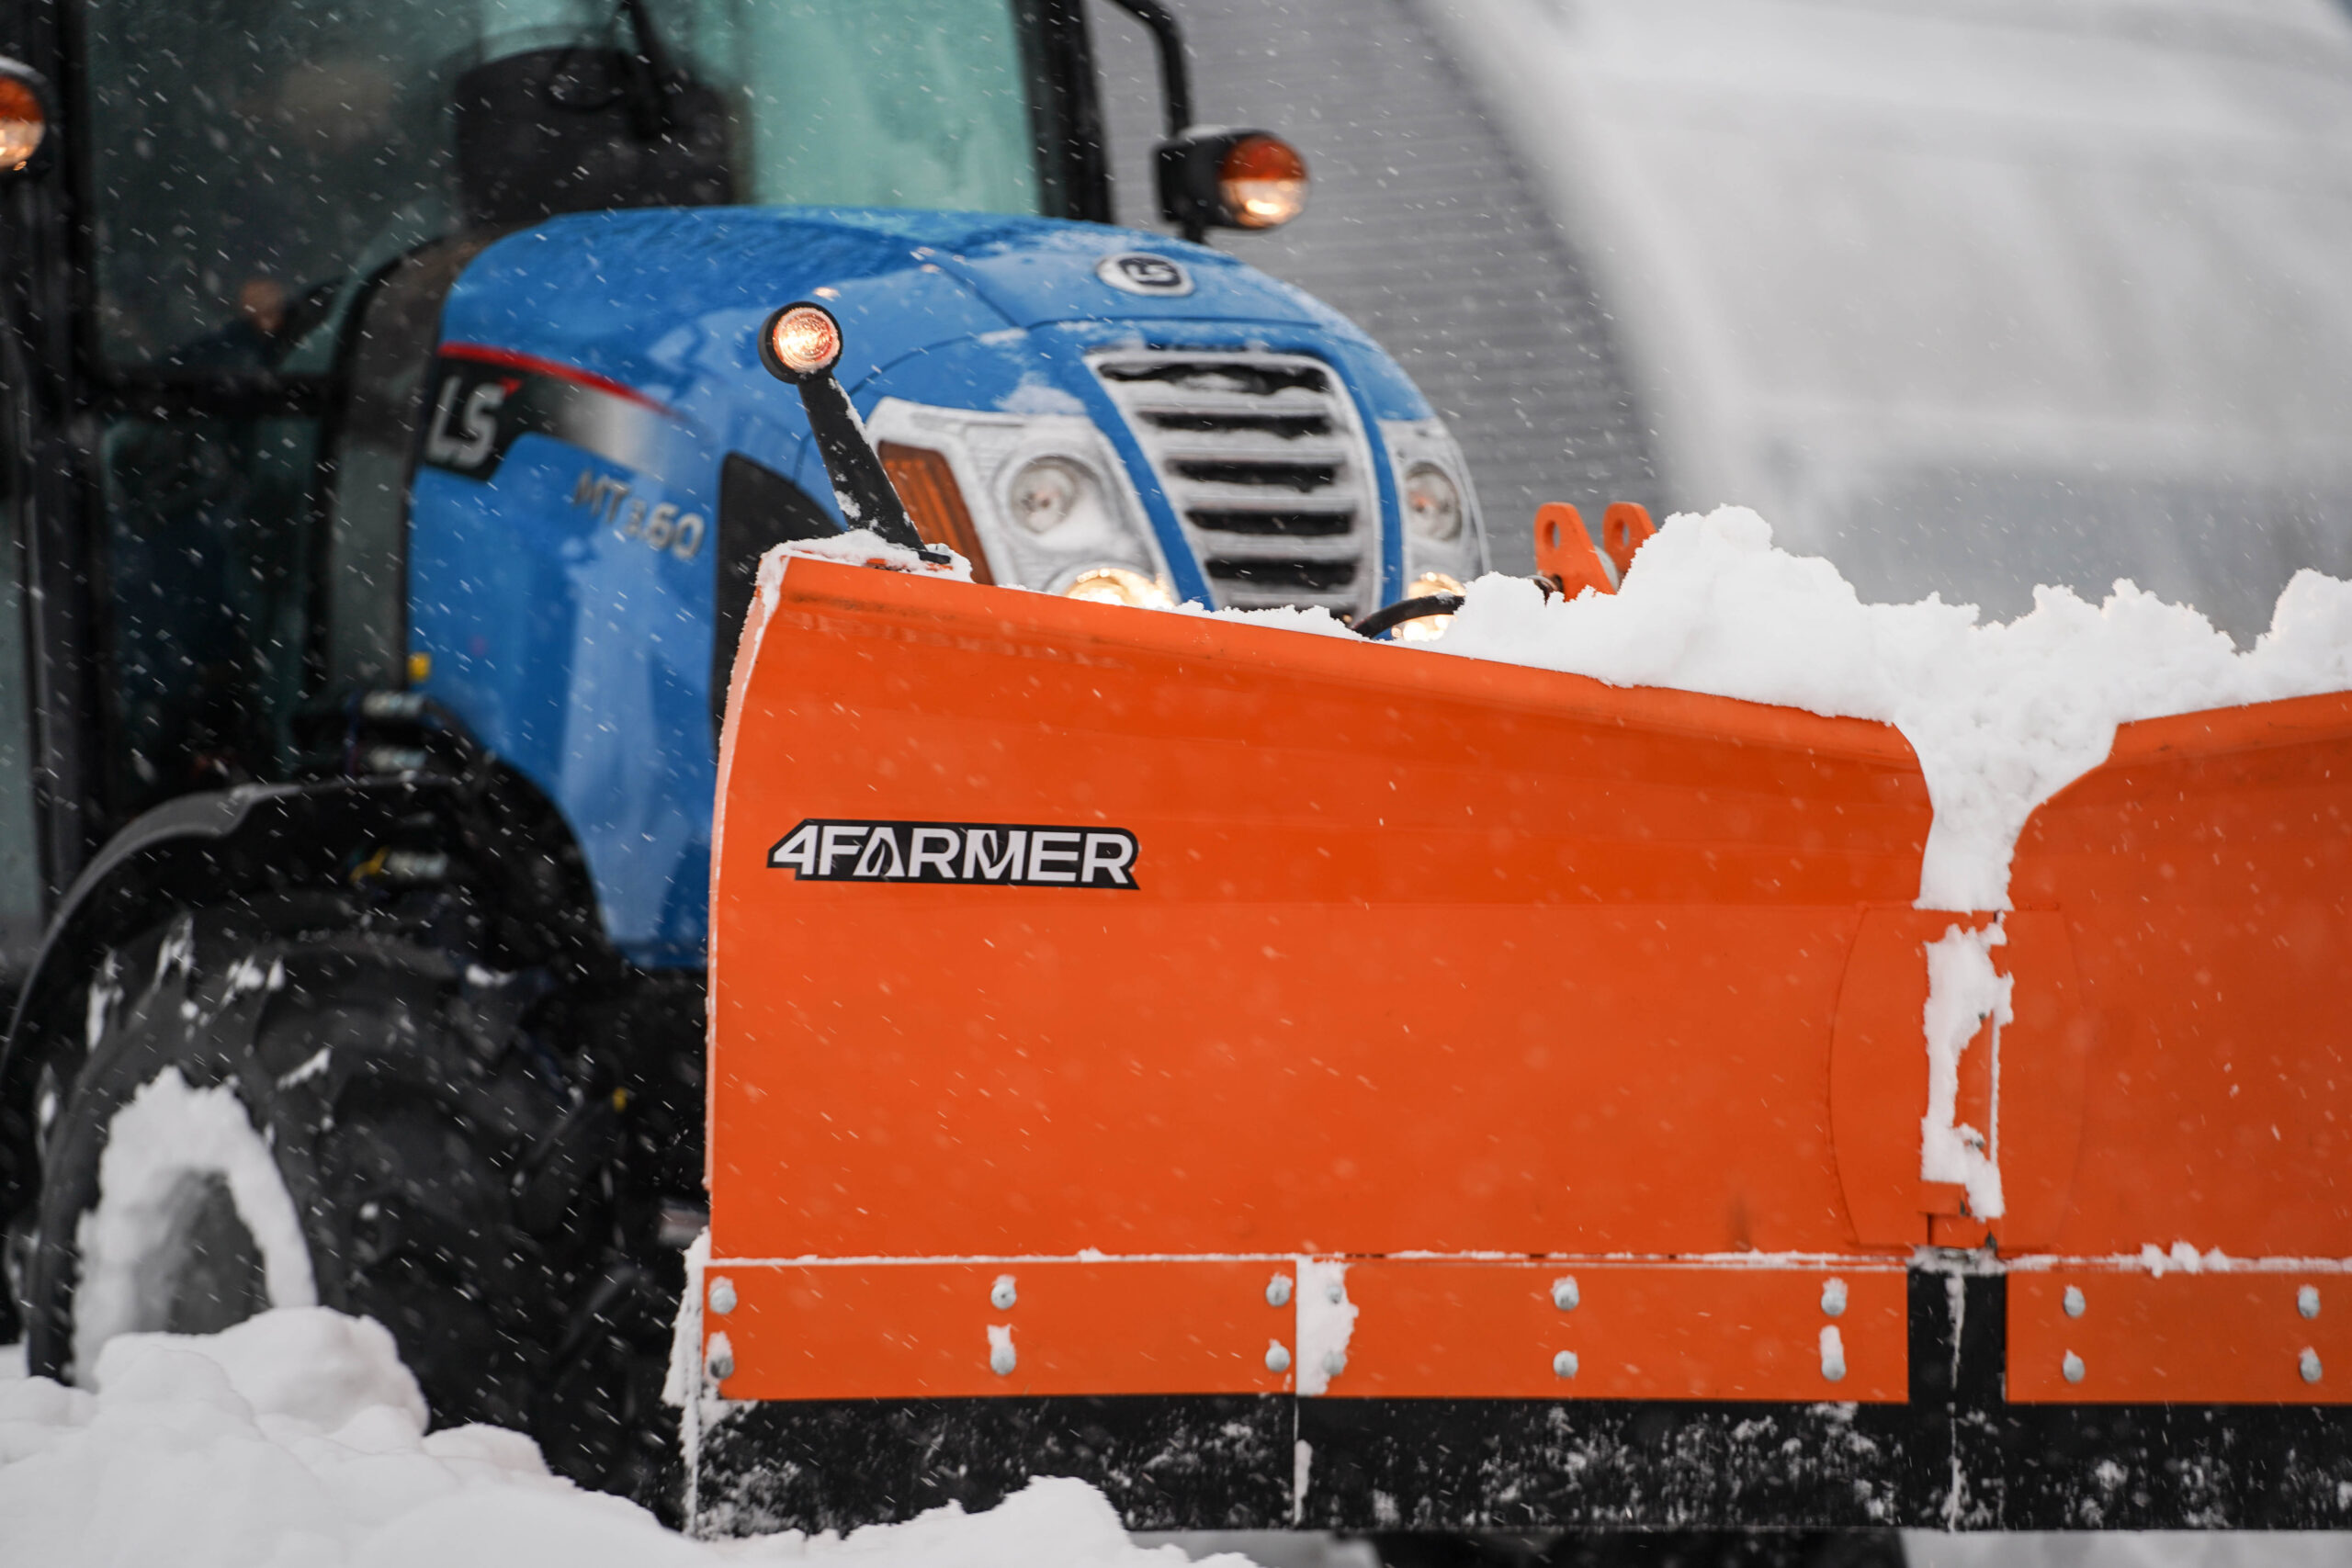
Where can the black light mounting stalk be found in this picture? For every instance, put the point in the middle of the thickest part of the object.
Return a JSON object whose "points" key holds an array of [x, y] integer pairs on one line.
{"points": [[1175, 69], [800, 344]]}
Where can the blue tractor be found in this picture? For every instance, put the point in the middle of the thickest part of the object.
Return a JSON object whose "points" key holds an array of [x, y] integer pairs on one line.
{"points": [[390, 451]]}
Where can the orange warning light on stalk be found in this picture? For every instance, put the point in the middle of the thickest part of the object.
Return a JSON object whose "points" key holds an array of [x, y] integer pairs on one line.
{"points": [[23, 123], [1263, 182], [800, 340]]}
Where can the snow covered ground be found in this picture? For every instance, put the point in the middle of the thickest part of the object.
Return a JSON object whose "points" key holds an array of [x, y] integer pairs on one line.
{"points": [[297, 1440]]}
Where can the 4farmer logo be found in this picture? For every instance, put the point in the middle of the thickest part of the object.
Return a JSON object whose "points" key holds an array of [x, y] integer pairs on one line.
{"points": [[1005, 854]]}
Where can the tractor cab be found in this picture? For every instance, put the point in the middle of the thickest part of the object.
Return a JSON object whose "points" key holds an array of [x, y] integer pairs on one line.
{"points": [[254, 172]]}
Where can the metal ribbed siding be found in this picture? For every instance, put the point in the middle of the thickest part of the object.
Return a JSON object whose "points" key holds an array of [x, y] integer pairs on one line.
{"points": [[1422, 230]]}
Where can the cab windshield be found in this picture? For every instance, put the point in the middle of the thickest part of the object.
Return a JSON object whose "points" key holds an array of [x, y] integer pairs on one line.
{"points": [[250, 159]]}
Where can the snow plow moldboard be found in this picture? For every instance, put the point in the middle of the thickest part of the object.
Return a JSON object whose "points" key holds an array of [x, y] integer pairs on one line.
{"points": [[1292, 1080]]}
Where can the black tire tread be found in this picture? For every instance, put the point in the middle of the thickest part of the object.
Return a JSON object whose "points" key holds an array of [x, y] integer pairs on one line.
{"points": [[412, 1150]]}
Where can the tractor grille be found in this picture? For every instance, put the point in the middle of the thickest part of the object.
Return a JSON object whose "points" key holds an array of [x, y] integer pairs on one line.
{"points": [[1264, 460]]}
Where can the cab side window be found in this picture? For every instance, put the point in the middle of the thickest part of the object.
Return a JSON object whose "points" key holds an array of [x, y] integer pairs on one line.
{"points": [[247, 161]]}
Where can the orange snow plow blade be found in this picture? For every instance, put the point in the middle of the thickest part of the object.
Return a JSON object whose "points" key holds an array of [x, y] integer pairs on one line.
{"points": [[1108, 1003]]}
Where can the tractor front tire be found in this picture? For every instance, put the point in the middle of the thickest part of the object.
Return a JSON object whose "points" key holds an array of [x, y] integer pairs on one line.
{"points": [[357, 1121]]}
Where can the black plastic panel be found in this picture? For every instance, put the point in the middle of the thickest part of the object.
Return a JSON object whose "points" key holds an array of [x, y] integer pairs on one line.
{"points": [[1205, 1462]]}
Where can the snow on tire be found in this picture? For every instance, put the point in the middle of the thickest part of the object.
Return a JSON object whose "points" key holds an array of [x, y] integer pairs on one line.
{"points": [[283, 1106], [193, 1229], [269, 1119], [163, 1204]]}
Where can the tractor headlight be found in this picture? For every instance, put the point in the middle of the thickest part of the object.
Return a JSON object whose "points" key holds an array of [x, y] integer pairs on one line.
{"points": [[1443, 536], [1049, 491], [1049, 503], [1433, 504]]}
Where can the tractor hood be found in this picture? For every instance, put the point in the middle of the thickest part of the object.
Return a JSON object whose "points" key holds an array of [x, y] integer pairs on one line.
{"points": [[656, 301]]}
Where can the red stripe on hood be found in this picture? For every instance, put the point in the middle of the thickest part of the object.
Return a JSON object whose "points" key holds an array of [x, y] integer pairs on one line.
{"points": [[482, 353]]}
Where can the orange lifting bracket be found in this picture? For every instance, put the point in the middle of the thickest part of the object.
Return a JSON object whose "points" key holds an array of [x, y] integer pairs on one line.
{"points": [[1565, 553]]}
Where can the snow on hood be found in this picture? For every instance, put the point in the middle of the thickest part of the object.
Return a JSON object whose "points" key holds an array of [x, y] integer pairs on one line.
{"points": [[297, 1439], [2003, 715]]}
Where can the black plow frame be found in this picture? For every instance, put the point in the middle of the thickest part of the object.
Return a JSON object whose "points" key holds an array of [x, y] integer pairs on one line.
{"points": [[1956, 1456]]}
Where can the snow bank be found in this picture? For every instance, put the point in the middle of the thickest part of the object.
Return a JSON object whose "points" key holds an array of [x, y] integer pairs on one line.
{"points": [[2002, 715], [1055, 1522], [297, 1440]]}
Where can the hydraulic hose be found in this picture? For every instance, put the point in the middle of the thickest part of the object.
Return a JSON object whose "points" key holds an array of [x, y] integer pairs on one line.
{"points": [[1392, 615]]}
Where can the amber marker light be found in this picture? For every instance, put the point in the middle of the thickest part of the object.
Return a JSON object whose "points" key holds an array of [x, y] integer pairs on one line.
{"points": [[800, 340], [925, 481], [23, 123], [1262, 182]]}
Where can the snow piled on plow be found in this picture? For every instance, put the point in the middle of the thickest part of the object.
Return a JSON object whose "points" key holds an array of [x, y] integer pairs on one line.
{"points": [[297, 1439], [2002, 715]]}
